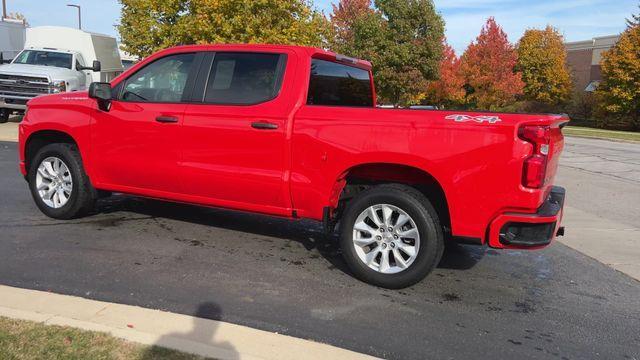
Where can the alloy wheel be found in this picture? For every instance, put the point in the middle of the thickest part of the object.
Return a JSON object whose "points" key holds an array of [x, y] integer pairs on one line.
{"points": [[54, 182], [386, 238]]}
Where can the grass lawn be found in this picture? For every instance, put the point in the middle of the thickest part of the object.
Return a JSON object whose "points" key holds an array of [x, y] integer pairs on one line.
{"points": [[29, 340], [601, 134]]}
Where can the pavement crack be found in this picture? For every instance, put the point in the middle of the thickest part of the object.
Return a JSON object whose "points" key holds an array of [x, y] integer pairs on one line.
{"points": [[601, 173]]}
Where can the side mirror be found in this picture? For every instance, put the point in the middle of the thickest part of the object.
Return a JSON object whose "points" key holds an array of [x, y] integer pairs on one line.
{"points": [[95, 67], [102, 93]]}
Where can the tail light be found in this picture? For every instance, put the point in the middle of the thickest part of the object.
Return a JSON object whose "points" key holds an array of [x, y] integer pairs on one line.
{"points": [[535, 166]]}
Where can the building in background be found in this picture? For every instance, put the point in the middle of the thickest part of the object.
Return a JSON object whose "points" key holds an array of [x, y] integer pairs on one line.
{"points": [[128, 60], [583, 58]]}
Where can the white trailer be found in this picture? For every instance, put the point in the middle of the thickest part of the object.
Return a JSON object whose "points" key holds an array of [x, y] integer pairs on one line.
{"points": [[12, 37], [91, 46]]}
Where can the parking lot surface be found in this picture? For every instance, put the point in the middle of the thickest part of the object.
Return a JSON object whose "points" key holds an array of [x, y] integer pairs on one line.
{"points": [[285, 277]]}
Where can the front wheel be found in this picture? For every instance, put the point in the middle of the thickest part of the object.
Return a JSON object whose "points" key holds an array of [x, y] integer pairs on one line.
{"points": [[391, 236], [4, 116], [58, 183]]}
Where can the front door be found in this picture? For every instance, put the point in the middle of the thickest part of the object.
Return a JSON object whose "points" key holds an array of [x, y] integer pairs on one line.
{"points": [[234, 133], [135, 144]]}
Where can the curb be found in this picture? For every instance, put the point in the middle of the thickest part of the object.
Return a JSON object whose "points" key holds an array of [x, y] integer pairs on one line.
{"points": [[209, 338]]}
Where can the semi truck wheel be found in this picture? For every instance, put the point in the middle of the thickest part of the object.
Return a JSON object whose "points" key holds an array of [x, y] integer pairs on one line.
{"points": [[391, 236], [58, 183]]}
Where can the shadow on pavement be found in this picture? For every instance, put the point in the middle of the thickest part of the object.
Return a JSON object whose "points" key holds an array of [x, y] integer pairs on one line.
{"points": [[309, 233], [203, 332], [461, 257]]}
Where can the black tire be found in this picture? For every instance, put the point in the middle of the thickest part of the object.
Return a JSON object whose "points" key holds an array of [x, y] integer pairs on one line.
{"points": [[4, 116], [416, 205], [83, 195]]}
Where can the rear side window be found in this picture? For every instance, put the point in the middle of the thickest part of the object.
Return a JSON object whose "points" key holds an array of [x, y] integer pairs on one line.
{"points": [[244, 78], [336, 84]]}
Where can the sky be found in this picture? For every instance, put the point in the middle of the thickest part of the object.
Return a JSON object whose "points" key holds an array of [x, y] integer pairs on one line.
{"points": [[576, 19]]}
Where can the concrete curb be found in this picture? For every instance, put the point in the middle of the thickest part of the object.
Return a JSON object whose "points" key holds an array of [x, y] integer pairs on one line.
{"points": [[189, 334]]}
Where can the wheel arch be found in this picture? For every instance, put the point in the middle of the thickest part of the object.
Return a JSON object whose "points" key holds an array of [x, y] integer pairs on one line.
{"points": [[38, 139], [362, 176]]}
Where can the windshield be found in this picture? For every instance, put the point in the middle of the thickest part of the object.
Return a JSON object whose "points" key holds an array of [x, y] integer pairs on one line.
{"points": [[44, 58]]}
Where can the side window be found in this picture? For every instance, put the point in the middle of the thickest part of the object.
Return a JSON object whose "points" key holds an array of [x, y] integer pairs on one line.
{"points": [[244, 78], [163, 80], [334, 84]]}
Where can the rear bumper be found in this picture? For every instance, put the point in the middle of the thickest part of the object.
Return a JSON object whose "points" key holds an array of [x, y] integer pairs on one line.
{"points": [[529, 231]]}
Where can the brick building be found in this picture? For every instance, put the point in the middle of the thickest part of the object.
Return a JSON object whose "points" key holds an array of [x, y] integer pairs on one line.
{"points": [[583, 58]]}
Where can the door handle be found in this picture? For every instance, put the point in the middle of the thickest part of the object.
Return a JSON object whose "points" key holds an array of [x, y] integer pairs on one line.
{"points": [[261, 125], [167, 119]]}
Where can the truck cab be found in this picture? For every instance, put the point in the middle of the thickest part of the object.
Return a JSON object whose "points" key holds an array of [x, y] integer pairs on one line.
{"points": [[40, 71]]}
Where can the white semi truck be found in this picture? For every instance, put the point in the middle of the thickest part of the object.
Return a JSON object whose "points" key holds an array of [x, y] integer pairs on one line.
{"points": [[56, 59]]}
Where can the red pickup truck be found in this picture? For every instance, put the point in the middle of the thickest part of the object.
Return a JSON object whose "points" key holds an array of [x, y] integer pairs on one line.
{"points": [[296, 132]]}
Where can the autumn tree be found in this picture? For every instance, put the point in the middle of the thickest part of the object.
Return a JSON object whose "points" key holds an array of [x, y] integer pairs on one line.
{"points": [[345, 19], [619, 92], [448, 91], [149, 25], [488, 66], [542, 60], [403, 40]]}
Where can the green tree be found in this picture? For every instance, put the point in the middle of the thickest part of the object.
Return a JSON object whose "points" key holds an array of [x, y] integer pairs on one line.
{"points": [[542, 60], [619, 92], [403, 39], [149, 25], [344, 20]]}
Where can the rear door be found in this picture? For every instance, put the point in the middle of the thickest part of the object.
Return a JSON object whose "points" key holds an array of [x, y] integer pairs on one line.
{"points": [[234, 135], [135, 144]]}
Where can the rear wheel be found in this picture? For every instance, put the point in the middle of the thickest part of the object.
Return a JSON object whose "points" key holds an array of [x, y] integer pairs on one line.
{"points": [[58, 183], [391, 236]]}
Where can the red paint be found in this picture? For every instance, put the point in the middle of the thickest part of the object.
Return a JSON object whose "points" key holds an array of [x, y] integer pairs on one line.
{"points": [[212, 156]]}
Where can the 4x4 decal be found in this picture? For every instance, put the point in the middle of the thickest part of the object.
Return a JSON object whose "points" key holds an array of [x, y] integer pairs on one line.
{"points": [[478, 119]]}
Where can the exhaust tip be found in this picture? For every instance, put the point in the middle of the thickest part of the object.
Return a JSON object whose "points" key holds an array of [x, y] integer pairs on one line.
{"points": [[560, 231]]}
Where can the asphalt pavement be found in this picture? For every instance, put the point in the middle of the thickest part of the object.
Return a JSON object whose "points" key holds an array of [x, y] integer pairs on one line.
{"points": [[603, 178], [286, 277]]}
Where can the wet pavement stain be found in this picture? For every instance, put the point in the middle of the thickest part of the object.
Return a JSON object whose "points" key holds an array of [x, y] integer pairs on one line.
{"points": [[450, 297], [524, 307]]}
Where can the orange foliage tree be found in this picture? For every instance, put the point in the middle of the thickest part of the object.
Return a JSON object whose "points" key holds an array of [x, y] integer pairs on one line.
{"points": [[488, 66], [343, 18], [448, 91]]}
